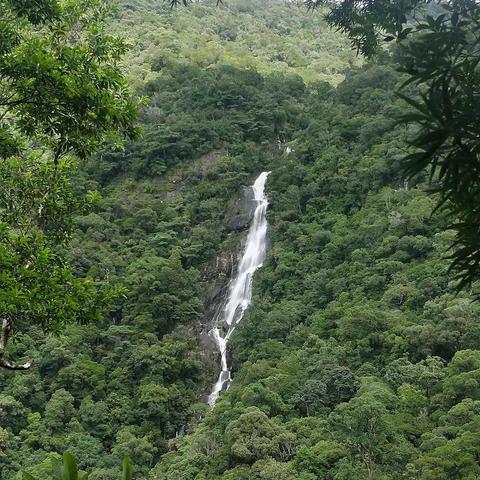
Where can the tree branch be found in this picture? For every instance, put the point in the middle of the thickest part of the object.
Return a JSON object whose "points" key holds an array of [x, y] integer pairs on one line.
{"points": [[15, 366], [4, 336]]}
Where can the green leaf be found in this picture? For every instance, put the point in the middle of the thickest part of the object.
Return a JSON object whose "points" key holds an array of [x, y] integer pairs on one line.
{"points": [[70, 468], [419, 106], [127, 469]]}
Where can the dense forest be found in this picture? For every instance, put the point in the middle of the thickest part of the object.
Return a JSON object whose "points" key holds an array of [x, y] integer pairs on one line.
{"points": [[358, 358]]}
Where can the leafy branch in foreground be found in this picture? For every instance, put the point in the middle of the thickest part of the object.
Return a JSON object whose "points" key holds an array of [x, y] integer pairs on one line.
{"points": [[442, 61], [61, 92], [185, 3], [60, 77], [37, 286], [440, 55], [369, 24]]}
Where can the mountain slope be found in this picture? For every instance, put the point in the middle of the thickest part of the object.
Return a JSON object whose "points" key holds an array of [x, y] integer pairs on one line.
{"points": [[129, 384], [355, 360], [269, 36]]}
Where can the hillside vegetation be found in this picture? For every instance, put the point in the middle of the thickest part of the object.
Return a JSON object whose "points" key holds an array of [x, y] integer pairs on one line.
{"points": [[355, 361], [268, 36]]}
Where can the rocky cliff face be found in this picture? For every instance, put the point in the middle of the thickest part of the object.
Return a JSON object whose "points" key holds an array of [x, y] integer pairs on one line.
{"points": [[242, 211], [218, 273]]}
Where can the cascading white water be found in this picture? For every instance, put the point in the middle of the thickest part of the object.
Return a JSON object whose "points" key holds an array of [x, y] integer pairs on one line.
{"points": [[240, 288]]}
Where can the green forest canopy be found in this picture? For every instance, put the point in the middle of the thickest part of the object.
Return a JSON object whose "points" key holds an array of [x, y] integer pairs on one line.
{"points": [[356, 360]]}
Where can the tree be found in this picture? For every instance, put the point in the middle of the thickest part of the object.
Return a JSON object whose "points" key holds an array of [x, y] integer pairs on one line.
{"points": [[164, 292], [136, 447], [363, 423], [451, 450], [463, 377], [311, 393], [60, 80], [59, 410], [254, 436], [11, 411], [61, 91], [319, 458]]}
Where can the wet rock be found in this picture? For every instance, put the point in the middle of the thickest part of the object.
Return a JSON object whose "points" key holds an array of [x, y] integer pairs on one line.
{"points": [[242, 211], [217, 274]]}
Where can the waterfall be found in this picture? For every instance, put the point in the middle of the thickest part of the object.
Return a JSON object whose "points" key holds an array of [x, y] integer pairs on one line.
{"points": [[240, 288]]}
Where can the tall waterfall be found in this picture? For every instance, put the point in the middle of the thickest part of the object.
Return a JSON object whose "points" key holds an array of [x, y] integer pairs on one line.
{"points": [[240, 288]]}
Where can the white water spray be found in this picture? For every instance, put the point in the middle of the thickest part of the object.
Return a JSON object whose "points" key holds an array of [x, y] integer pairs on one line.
{"points": [[240, 288]]}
